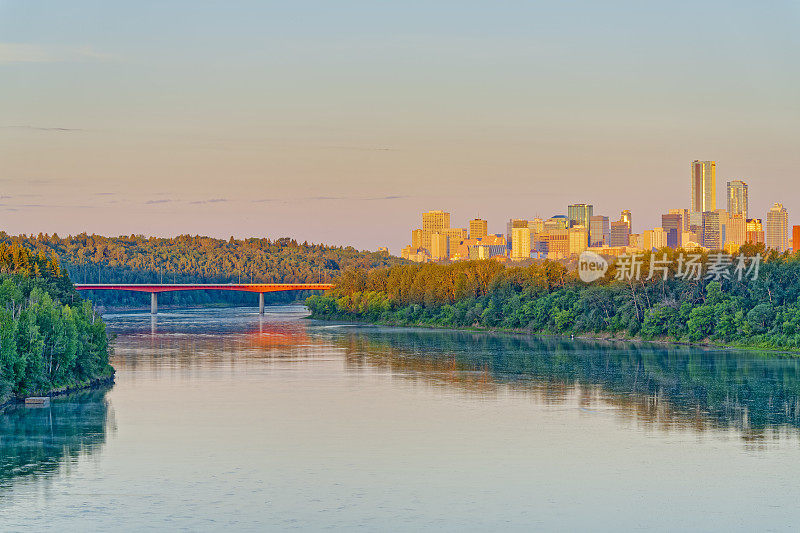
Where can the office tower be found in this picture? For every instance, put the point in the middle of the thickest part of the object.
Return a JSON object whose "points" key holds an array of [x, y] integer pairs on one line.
{"points": [[578, 239], [673, 227], [655, 238], [777, 232], [478, 228], [723, 225], [620, 233], [736, 233], [580, 214], [737, 198], [754, 231], [455, 234], [626, 216], [520, 243], [510, 225], [796, 239], [440, 249], [432, 222], [558, 244], [536, 225], [416, 239], [711, 237], [684, 214], [556, 222], [704, 186], [599, 231]]}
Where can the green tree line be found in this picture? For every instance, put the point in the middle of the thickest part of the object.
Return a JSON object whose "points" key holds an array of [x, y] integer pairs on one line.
{"points": [[195, 259], [50, 338], [549, 298]]}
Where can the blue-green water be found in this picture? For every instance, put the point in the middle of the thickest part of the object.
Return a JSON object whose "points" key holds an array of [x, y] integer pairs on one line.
{"points": [[221, 419]]}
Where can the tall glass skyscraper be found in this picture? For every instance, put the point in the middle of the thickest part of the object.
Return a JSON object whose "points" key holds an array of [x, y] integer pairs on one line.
{"points": [[704, 186], [737, 198], [580, 215]]}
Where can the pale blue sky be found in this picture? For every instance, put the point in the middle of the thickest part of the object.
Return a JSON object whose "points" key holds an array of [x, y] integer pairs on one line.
{"points": [[315, 119]]}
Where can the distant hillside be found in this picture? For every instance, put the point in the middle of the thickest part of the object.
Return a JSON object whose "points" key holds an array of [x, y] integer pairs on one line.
{"points": [[196, 259]]}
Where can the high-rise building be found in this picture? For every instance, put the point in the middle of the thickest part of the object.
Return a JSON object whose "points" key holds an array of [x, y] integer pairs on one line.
{"points": [[737, 198], [796, 239], [599, 231], [432, 222], [580, 215], [510, 225], [478, 228], [578, 239], [556, 222], [655, 238], [626, 216], [558, 244], [673, 227], [416, 239], [777, 232], [685, 219], [440, 249], [736, 233], [536, 225], [723, 225], [712, 234], [704, 186], [620, 233], [520, 243], [754, 231]]}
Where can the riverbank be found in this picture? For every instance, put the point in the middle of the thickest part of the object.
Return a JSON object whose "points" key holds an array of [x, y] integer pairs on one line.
{"points": [[774, 350], [61, 391]]}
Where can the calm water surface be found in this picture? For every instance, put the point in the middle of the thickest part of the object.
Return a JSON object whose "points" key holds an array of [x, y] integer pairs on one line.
{"points": [[221, 419]]}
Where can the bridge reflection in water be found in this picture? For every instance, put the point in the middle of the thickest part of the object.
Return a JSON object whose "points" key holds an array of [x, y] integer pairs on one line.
{"points": [[155, 288]]}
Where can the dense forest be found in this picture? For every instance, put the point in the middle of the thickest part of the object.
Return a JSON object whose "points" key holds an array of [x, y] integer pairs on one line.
{"points": [[194, 259], [549, 298], [50, 338]]}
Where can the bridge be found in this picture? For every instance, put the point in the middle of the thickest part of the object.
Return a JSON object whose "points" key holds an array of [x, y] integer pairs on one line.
{"points": [[155, 288]]}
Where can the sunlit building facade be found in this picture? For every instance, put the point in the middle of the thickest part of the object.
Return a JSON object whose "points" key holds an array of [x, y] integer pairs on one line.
{"points": [[599, 231], [704, 186], [737, 198], [777, 230], [478, 228], [520, 243]]}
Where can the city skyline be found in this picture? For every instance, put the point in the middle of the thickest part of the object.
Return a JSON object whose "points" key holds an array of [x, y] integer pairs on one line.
{"points": [[140, 123], [563, 236]]}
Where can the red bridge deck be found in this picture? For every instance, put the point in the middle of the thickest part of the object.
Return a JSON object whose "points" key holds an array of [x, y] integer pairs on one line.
{"points": [[167, 287]]}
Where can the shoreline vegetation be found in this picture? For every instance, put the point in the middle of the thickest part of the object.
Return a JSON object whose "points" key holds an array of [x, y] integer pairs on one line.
{"points": [[548, 299], [195, 259], [52, 341]]}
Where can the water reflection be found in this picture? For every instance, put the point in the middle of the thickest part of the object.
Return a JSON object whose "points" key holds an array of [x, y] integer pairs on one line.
{"points": [[36, 443], [665, 387]]}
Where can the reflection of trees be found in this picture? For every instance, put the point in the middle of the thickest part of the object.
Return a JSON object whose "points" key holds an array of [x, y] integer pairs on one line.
{"points": [[36, 442], [664, 386]]}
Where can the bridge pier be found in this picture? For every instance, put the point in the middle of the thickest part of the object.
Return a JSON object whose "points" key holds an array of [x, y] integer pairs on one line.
{"points": [[153, 303], [260, 303]]}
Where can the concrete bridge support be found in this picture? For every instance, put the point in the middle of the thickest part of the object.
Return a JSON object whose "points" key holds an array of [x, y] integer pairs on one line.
{"points": [[153, 303], [260, 303]]}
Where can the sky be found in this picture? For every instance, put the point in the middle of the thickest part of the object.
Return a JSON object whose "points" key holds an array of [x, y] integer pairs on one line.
{"points": [[341, 122]]}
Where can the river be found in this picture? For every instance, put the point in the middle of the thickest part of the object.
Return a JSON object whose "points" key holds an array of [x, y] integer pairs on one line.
{"points": [[221, 419]]}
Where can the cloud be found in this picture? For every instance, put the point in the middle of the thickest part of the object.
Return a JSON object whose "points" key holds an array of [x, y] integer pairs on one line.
{"points": [[358, 198], [210, 201], [40, 128], [37, 53], [161, 201]]}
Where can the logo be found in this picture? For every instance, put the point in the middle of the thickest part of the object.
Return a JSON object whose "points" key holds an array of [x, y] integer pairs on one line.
{"points": [[591, 266]]}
